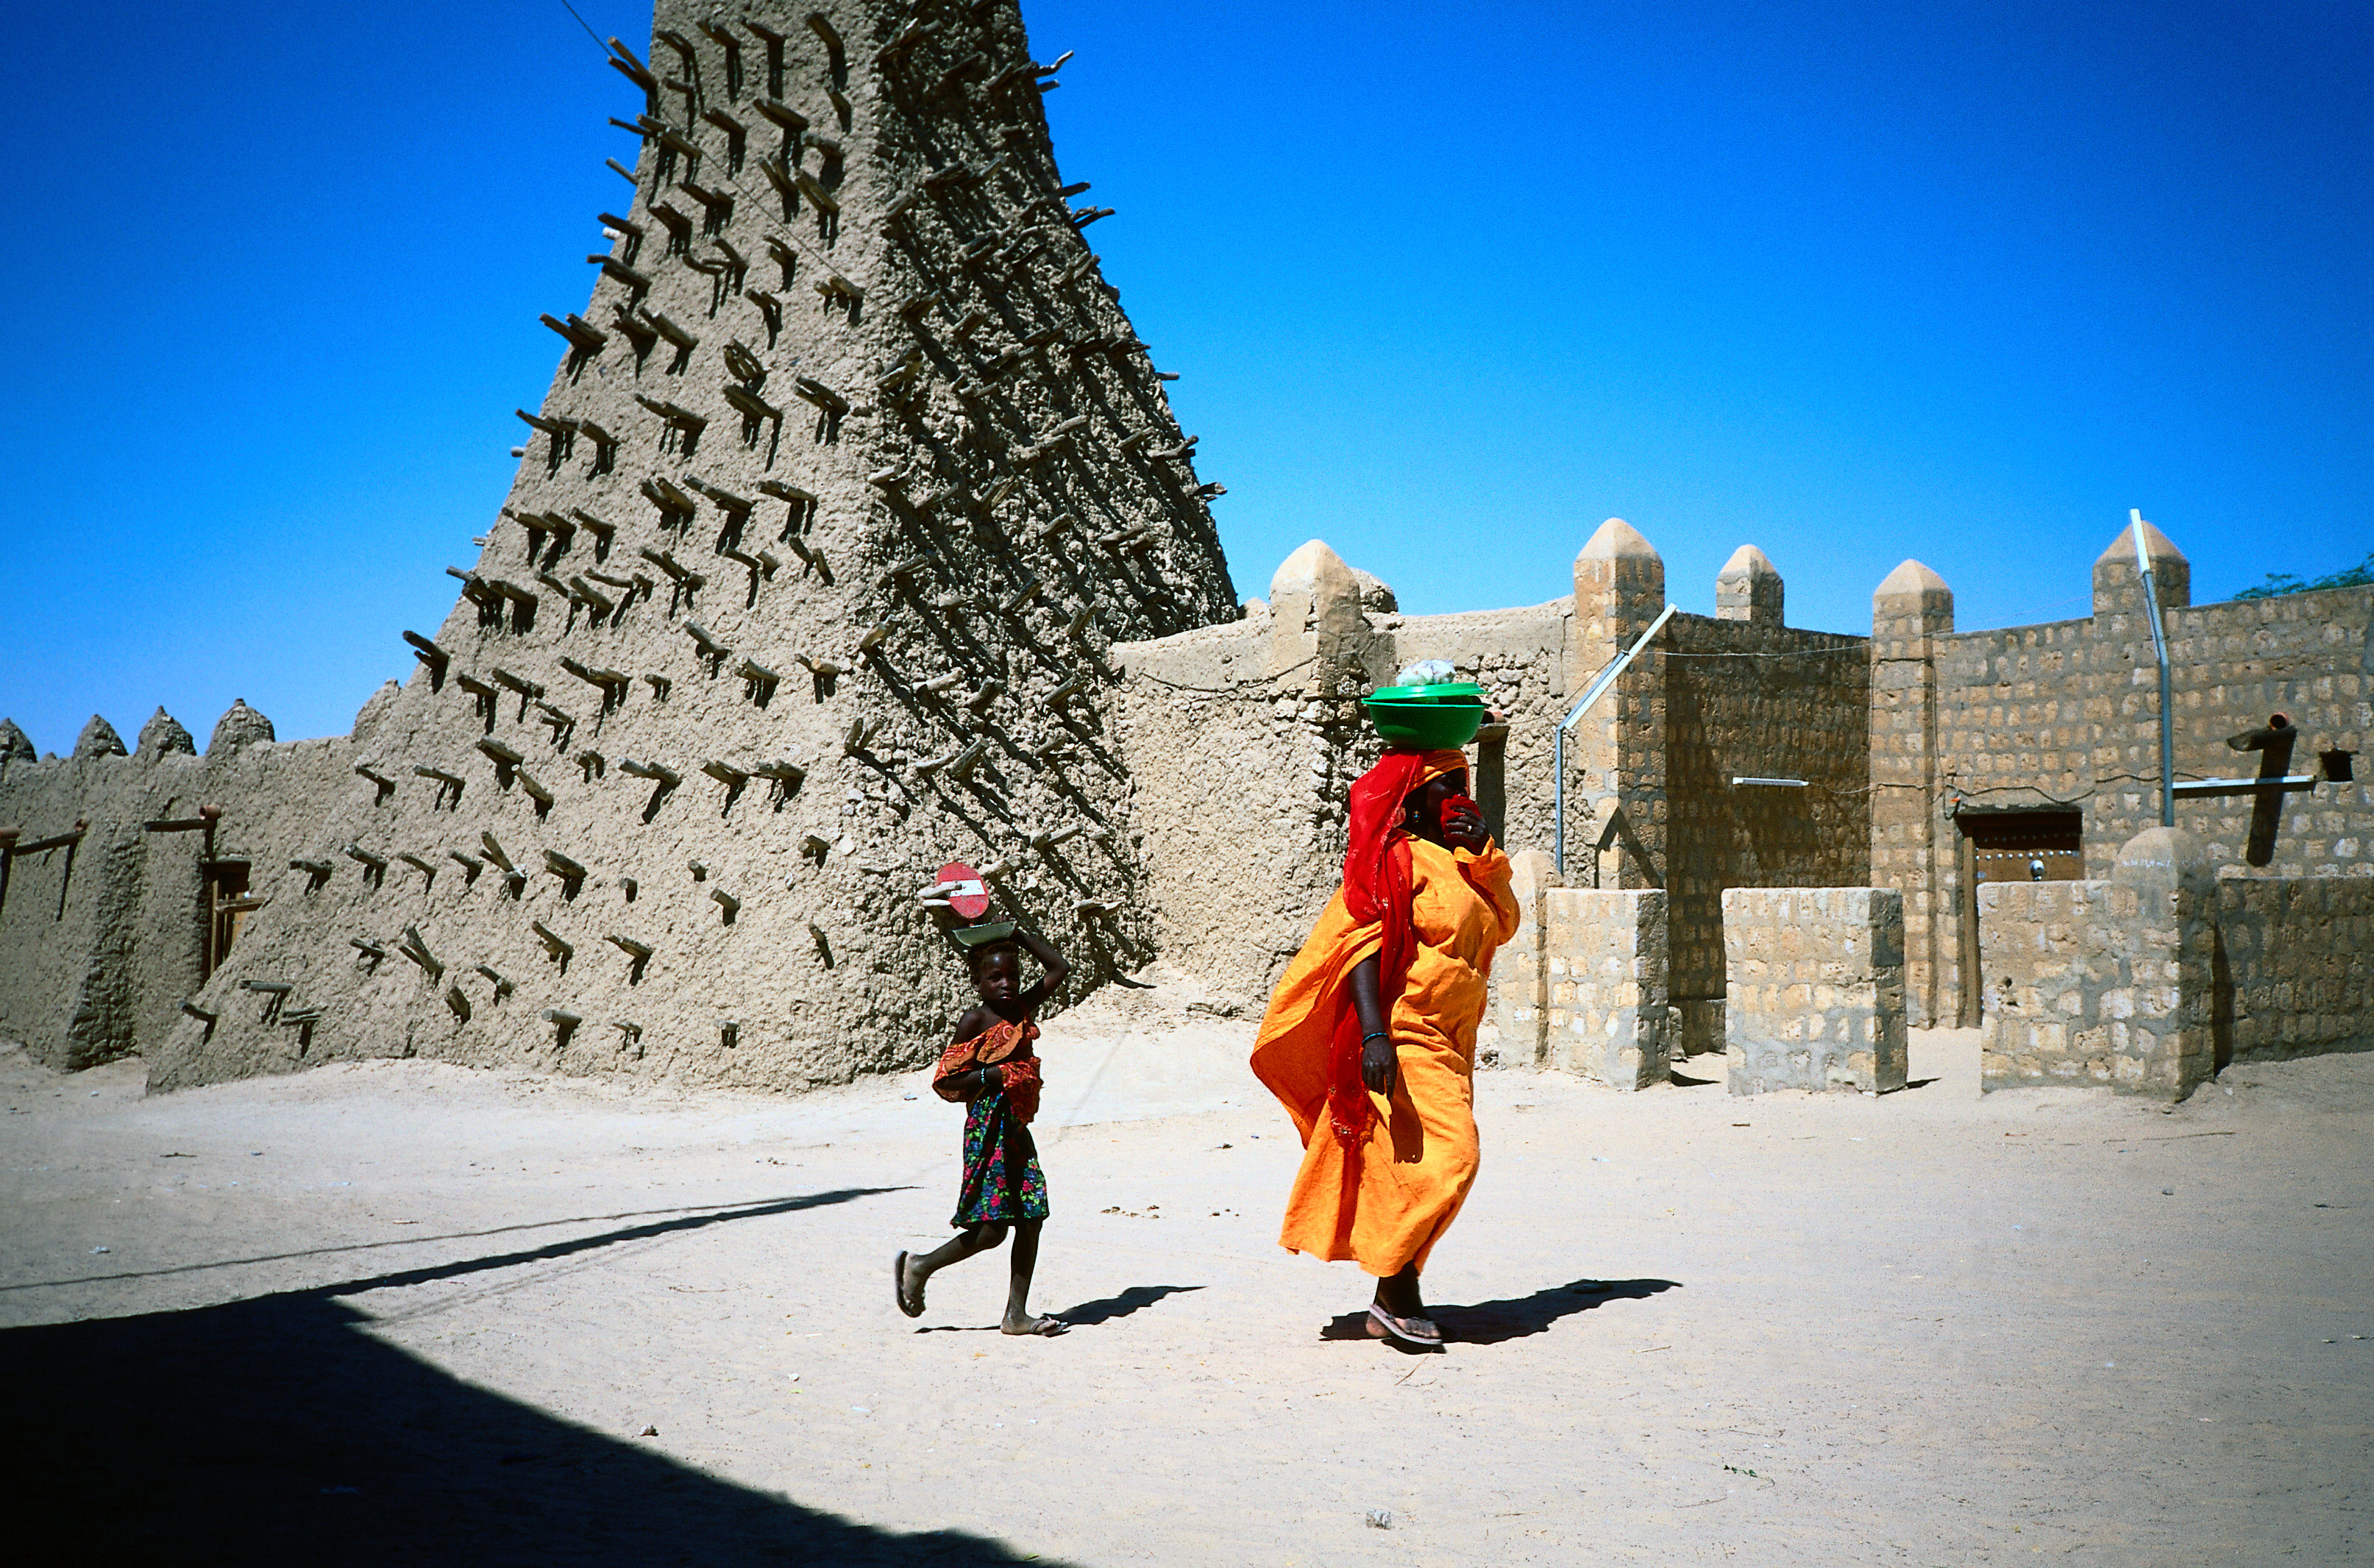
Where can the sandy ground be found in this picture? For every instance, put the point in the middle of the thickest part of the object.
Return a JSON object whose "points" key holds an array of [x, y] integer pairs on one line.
{"points": [[401, 1312]]}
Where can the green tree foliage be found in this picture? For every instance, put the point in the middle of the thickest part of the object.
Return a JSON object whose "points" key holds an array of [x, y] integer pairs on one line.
{"points": [[2357, 576]]}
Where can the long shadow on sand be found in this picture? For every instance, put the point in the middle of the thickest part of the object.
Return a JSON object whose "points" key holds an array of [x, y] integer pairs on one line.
{"points": [[1088, 1314], [276, 1430], [1497, 1322], [684, 1219], [1137, 1298]]}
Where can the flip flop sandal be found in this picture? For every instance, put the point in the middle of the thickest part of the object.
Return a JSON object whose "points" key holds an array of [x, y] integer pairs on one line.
{"points": [[899, 1289], [1044, 1327], [1419, 1331]]}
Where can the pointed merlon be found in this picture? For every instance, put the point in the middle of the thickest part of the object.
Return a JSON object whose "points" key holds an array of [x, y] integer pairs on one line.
{"points": [[1617, 539], [2117, 585], [162, 735], [99, 739], [1748, 589]]}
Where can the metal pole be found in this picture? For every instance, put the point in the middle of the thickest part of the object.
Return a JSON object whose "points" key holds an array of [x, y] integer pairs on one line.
{"points": [[1599, 684], [2159, 651]]}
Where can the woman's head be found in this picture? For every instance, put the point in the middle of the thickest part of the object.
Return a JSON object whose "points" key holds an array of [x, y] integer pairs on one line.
{"points": [[1422, 807]]}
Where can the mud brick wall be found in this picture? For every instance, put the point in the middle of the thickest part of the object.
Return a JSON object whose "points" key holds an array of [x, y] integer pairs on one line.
{"points": [[1603, 969], [2292, 967], [1757, 699], [1243, 740], [99, 944], [1816, 988]]}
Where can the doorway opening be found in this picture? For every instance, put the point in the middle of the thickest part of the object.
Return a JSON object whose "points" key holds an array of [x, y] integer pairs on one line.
{"points": [[2019, 846]]}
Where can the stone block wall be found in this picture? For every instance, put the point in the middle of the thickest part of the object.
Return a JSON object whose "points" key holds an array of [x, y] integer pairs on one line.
{"points": [[1754, 698], [2103, 981], [1604, 973], [1816, 988], [2066, 713], [2291, 967], [1515, 1031]]}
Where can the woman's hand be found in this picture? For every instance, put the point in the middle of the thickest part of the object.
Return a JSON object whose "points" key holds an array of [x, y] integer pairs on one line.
{"points": [[1462, 825], [1380, 1065]]}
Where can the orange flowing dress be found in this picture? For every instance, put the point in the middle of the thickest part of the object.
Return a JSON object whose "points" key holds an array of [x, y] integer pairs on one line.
{"points": [[1385, 1198]]}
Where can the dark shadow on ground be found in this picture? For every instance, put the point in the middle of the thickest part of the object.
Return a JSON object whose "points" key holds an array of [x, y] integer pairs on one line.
{"points": [[1495, 1322], [1134, 1299], [1085, 1316], [276, 1430], [1682, 1081], [686, 1219]]}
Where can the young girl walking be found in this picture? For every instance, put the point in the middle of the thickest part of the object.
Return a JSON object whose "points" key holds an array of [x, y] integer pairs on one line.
{"points": [[993, 1071]]}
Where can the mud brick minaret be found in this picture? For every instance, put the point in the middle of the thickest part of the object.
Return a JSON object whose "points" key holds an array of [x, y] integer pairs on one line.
{"points": [[851, 471]]}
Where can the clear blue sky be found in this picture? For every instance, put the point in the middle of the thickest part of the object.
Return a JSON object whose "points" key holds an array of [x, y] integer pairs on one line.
{"points": [[1447, 284]]}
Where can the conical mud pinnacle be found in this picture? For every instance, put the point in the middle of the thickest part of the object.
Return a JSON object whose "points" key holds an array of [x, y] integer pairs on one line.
{"points": [[851, 471]]}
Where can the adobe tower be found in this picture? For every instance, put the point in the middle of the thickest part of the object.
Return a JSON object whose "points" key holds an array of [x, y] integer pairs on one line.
{"points": [[851, 471]]}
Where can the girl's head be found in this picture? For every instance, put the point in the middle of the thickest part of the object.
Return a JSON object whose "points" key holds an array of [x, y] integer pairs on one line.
{"points": [[997, 972]]}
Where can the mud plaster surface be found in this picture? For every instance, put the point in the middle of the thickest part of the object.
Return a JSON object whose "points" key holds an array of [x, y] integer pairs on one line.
{"points": [[1933, 1327]]}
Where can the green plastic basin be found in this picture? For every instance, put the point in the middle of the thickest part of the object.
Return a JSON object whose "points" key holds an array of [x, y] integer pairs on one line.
{"points": [[1441, 717]]}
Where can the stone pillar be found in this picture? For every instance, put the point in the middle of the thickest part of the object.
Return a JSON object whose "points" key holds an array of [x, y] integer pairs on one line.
{"points": [[2108, 982], [2124, 705], [2163, 892], [1605, 958], [2118, 587], [1616, 755], [1816, 983], [1748, 589], [1912, 613], [1320, 638], [1516, 1020]]}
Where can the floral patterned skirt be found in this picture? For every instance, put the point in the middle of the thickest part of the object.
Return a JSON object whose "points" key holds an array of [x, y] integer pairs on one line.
{"points": [[1002, 1180]]}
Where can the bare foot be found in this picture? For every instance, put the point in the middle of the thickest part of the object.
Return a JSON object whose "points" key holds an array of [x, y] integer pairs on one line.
{"points": [[1046, 1328]]}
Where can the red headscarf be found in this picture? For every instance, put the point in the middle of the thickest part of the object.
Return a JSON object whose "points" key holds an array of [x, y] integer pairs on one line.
{"points": [[1377, 890]]}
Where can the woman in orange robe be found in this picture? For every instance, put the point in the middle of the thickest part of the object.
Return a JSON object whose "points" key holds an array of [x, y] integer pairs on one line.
{"points": [[1370, 1041]]}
